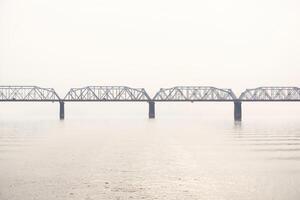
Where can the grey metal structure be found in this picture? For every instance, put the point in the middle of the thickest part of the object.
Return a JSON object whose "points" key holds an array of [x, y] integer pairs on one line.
{"points": [[107, 93], [27, 93], [266, 94], [271, 94], [31, 94], [110, 94], [194, 93], [199, 94], [128, 94]]}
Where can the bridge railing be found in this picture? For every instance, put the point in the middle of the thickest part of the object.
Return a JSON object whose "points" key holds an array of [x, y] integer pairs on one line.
{"points": [[107, 93], [271, 94], [194, 93], [27, 93]]}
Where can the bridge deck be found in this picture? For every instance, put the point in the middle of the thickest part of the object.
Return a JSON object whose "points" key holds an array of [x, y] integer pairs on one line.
{"points": [[127, 94]]}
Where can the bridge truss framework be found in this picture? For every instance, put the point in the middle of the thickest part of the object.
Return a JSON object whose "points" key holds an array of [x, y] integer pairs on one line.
{"points": [[128, 94]]}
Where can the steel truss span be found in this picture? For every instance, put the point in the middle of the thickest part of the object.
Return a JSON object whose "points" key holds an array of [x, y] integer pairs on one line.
{"points": [[27, 93], [271, 94], [194, 93], [127, 94], [107, 93]]}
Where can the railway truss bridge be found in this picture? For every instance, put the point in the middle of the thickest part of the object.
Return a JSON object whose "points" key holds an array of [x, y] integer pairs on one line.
{"points": [[128, 94]]}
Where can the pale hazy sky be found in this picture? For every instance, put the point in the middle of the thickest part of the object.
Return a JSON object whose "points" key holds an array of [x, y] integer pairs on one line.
{"points": [[151, 44]]}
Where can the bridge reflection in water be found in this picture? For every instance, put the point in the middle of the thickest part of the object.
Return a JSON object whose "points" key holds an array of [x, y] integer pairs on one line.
{"points": [[128, 94]]}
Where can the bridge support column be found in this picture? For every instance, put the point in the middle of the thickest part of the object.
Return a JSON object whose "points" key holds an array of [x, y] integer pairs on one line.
{"points": [[151, 109], [237, 111], [61, 110]]}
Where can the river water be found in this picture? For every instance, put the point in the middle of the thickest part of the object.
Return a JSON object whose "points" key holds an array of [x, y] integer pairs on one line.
{"points": [[138, 158]]}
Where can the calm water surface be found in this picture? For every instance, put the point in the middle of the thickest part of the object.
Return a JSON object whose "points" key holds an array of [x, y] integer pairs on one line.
{"points": [[166, 158]]}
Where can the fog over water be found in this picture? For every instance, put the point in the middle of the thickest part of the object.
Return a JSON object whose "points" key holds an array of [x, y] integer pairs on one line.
{"points": [[112, 150], [136, 158], [185, 153]]}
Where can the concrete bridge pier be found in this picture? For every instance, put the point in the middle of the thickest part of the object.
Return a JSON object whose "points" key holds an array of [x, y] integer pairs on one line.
{"points": [[237, 111], [151, 109], [61, 110]]}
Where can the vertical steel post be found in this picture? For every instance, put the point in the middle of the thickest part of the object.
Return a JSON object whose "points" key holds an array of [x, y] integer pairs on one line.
{"points": [[237, 111], [151, 109], [61, 110]]}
